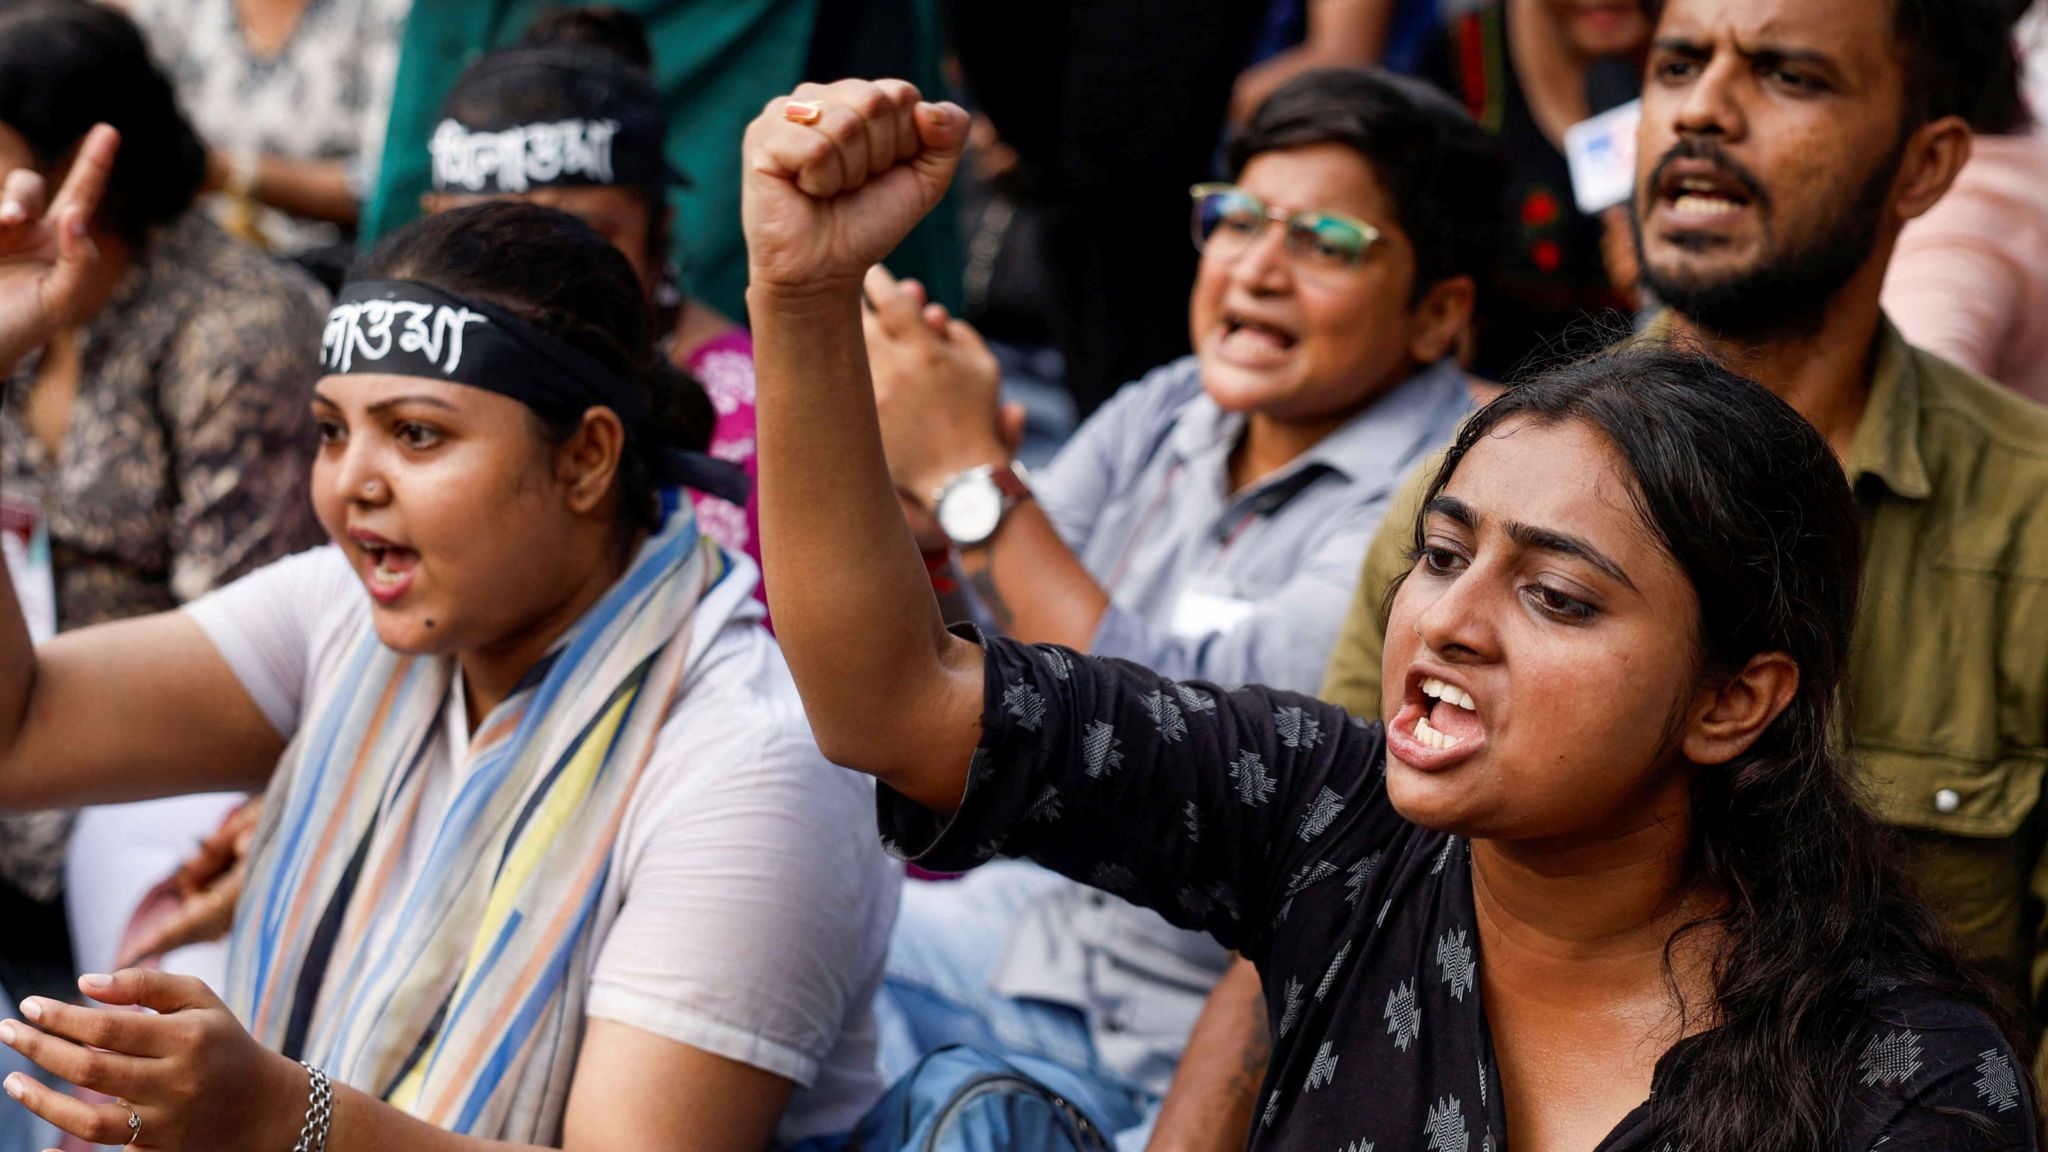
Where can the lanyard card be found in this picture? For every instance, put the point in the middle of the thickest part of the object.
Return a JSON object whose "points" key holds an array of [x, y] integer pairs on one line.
{"points": [[1601, 153], [25, 545], [1198, 612]]}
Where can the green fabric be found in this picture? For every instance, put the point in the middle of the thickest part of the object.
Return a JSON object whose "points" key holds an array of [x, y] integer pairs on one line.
{"points": [[717, 62], [1948, 682], [901, 38]]}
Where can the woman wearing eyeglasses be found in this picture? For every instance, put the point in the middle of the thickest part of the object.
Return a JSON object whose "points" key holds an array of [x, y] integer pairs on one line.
{"points": [[1208, 522]]}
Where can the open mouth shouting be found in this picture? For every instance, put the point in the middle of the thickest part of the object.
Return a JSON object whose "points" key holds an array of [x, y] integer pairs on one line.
{"points": [[1255, 341], [387, 567], [1438, 726], [1700, 195]]}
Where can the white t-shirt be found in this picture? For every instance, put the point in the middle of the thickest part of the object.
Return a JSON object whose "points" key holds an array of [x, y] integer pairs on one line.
{"points": [[757, 903]]}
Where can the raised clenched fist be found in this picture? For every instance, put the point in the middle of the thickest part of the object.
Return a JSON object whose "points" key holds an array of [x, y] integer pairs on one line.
{"points": [[837, 175]]}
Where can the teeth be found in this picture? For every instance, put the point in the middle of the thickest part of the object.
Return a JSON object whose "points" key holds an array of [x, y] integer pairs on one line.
{"points": [[1432, 738], [1436, 689], [1695, 204]]}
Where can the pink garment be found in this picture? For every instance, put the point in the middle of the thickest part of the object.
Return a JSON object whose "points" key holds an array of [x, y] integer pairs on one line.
{"points": [[1969, 281], [725, 366]]}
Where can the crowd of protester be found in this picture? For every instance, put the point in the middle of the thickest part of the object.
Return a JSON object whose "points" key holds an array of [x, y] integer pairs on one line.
{"points": [[1539, 635]]}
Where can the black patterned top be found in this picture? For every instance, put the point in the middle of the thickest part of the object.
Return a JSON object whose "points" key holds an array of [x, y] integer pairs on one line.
{"points": [[1262, 817]]}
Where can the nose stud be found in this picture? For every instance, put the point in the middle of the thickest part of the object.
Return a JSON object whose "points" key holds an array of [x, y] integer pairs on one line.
{"points": [[372, 489]]}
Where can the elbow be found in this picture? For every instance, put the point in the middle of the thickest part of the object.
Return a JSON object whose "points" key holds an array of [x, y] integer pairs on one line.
{"points": [[847, 750]]}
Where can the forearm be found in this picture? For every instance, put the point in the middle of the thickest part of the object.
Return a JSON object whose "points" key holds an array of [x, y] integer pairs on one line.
{"points": [[1032, 585], [1215, 1091], [1350, 32], [888, 690], [362, 1123], [316, 189]]}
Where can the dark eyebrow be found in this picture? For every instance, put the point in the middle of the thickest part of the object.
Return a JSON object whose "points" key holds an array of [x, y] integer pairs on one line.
{"points": [[1452, 508], [383, 406], [1679, 46], [1765, 57], [1547, 540], [1769, 56]]}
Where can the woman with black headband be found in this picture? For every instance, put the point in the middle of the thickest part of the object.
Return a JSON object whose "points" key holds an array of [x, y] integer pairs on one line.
{"points": [[548, 854], [569, 119]]}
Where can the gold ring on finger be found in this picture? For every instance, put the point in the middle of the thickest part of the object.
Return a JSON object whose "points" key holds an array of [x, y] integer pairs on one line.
{"points": [[803, 111], [134, 1123]]}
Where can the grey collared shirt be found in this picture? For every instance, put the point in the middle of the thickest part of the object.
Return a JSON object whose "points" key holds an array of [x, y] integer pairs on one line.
{"points": [[1212, 584]]}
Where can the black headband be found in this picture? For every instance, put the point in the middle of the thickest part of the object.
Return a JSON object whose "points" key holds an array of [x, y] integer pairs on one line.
{"points": [[404, 328], [607, 127]]}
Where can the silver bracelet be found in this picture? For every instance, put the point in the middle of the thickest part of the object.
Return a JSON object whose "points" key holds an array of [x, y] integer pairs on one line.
{"points": [[319, 1109]]}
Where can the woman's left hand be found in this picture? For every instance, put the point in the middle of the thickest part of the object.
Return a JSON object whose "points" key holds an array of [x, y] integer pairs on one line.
{"points": [[190, 1072]]}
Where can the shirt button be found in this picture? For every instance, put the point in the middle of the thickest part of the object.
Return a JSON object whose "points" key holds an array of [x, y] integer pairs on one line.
{"points": [[1947, 800]]}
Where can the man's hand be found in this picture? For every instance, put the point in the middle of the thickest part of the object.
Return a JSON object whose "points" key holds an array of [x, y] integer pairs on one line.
{"points": [[836, 176], [937, 388], [46, 252]]}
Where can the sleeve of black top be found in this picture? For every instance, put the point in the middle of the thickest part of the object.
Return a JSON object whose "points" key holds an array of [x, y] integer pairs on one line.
{"points": [[1210, 806], [1972, 1092]]}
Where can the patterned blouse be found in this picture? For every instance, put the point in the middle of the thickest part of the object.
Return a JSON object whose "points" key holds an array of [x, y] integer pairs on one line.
{"points": [[324, 95], [186, 460], [1262, 817], [725, 367]]}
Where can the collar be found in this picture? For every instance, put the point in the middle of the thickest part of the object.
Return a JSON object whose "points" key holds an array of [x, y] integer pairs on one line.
{"points": [[1379, 445], [1887, 441]]}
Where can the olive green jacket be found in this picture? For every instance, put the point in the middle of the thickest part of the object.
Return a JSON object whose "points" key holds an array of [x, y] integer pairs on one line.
{"points": [[1948, 681]]}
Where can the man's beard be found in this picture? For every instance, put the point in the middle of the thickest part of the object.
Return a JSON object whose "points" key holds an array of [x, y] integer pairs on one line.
{"points": [[1786, 293]]}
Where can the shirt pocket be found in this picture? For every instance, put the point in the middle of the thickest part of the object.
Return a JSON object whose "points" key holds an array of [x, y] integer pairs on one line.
{"points": [[1964, 841], [1949, 690], [1952, 795]]}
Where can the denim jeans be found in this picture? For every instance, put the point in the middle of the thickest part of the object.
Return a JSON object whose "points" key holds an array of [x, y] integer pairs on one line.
{"points": [[949, 936], [20, 1129]]}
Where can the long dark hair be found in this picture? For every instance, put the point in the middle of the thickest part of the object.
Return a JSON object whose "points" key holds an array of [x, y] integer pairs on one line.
{"points": [[558, 274], [1753, 506], [66, 65]]}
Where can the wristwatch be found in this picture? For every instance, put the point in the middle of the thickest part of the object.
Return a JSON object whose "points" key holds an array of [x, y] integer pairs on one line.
{"points": [[971, 505]]}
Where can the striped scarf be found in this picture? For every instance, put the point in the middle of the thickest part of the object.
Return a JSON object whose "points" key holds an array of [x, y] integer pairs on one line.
{"points": [[457, 993]]}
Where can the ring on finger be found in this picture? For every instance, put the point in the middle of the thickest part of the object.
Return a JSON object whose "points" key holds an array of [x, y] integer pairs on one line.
{"points": [[134, 1123], [803, 111]]}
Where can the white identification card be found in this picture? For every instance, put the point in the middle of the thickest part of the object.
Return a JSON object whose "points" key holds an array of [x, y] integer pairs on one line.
{"points": [[1199, 613], [25, 543], [1601, 152]]}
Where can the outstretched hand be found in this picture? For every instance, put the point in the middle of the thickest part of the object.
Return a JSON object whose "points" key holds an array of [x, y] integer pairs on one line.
{"points": [[837, 175], [188, 1070], [45, 249]]}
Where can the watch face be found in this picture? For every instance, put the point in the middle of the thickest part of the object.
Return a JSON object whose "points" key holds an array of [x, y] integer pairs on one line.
{"points": [[969, 512]]}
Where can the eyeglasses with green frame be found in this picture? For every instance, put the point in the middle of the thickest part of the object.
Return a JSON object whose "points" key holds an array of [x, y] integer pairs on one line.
{"points": [[1228, 219]]}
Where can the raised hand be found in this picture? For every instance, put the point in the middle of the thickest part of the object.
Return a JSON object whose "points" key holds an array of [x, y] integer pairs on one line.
{"points": [[45, 249], [837, 175]]}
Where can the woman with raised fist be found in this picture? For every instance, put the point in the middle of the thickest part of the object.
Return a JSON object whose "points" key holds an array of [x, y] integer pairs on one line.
{"points": [[1601, 881]]}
